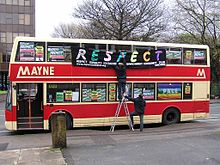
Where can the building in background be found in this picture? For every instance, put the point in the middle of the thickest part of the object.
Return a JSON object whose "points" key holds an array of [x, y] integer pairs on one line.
{"points": [[17, 18]]}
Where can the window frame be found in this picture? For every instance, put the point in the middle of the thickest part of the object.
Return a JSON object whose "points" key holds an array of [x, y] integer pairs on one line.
{"points": [[35, 44], [142, 91], [187, 96], [130, 91], [72, 86], [95, 88], [171, 83], [72, 47]]}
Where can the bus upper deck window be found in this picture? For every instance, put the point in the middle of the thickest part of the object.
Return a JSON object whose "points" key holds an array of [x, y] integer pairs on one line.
{"points": [[200, 57], [29, 51], [61, 52], [174, 56], [187, 56], [195, 56]]}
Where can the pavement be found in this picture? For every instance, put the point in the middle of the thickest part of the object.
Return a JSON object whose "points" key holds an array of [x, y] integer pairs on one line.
{"points": [[39, 156], [214, 101], [33, 156], [2, 97]]}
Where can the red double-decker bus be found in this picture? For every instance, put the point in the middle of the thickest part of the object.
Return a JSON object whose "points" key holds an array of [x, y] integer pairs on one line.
{"points": [[76, 76]]}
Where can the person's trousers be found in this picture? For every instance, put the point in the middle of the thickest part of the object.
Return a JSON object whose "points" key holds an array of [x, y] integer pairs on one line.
{"points": [[121, 89], [141, 116]]}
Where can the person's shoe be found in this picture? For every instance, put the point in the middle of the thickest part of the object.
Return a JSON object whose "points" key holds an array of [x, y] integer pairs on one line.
{"points": [[141, 130]]}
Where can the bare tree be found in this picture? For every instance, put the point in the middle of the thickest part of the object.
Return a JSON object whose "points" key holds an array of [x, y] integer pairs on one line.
{"points": [[198, 21], [66, 31], [122, 19]]}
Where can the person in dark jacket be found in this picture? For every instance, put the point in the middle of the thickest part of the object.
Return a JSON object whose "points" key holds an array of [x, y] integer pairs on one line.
{"points": [[121, 77], [139, 107]]}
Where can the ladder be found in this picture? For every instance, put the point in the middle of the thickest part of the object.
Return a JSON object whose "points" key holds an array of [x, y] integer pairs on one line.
{"points": [[124, 103]]}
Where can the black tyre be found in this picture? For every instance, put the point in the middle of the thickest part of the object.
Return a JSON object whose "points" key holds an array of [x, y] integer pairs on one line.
{"points": [[171, 116]]}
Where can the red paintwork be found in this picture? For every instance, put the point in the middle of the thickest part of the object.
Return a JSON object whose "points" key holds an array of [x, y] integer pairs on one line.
{"points": [[64, 71], [11, 115], [185, 73], [108, 110]]}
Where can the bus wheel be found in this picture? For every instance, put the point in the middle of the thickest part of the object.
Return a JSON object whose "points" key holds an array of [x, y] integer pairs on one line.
{"points": [[171, 116]]}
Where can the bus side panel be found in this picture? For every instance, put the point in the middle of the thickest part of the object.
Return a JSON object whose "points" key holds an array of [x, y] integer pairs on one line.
{"points": [[184, 107], [83, 110], [10, 115], [201, 106], [108, 110], [10, 119]]}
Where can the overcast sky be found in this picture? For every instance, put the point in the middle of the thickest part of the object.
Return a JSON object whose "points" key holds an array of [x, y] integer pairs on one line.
{"points": [[50, 13]]}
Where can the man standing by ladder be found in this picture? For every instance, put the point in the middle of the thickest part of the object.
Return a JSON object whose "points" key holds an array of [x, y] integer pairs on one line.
{"points": [[139, 106]]}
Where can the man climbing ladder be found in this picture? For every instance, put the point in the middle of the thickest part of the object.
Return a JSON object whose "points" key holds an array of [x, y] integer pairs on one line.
{"points": [[121, 75]]}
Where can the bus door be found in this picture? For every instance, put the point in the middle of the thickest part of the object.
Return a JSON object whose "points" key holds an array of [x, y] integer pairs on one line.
{"points": [[29, 106]]}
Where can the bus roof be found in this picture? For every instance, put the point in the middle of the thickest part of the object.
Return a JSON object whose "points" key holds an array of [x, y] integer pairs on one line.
{"points": [[100, 41]]}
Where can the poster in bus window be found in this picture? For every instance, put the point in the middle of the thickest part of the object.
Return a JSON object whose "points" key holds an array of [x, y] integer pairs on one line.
{"points": [[128, 89], [169, 91], [94, 95], [137, 91], [75, 96], [68, 95], [50, 98], [112, 92], [86, 95], [59, 97], [148, 94], [101, 94], [55, 53], [199, 54], [187, 91], [27, 52], [39, 50], [188, 57], [173, 54]]}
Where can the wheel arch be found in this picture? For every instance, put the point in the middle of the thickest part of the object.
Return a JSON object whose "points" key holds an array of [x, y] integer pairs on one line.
{"points": [[173, 108], [68, 114]]}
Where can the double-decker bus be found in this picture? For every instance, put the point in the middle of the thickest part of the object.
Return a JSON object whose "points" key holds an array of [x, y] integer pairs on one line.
{"points": [[77, 76]]}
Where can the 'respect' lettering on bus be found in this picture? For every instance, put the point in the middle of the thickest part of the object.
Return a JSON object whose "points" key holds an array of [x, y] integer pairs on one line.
{"points": [[137, 58], [95, 55], [146, 56], [109, 56], [81, 53], [35, 71], [158, 54], [134, 56], [121, 55]]}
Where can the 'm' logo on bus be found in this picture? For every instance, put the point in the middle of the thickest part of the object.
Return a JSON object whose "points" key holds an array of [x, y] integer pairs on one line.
{"points": [[201, 73], [35, 71]]}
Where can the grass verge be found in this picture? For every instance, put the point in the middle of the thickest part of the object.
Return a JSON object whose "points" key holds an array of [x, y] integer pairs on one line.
{"points": [[3, 92]]}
